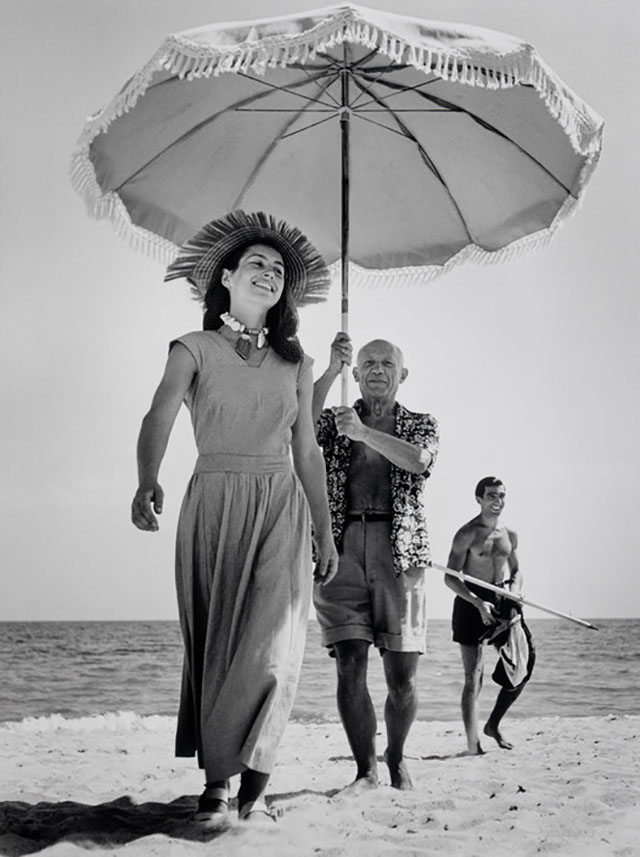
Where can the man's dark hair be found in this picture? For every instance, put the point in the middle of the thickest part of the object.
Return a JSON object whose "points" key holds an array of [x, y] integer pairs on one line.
{"points": [[487, 482]]}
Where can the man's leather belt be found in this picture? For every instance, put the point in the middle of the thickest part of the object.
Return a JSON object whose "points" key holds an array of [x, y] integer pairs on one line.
{"points": [[368, 515]]}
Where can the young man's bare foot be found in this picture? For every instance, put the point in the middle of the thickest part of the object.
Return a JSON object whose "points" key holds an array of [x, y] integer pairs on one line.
{"points": [[494, 732], [399, 773], [359, 786]]}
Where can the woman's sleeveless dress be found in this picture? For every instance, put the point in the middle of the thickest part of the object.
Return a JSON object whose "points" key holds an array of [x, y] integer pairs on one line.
{"points": [[243, 560]]}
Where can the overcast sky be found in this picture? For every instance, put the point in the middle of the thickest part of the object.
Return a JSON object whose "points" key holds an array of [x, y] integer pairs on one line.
{"points": [[530, 367]]}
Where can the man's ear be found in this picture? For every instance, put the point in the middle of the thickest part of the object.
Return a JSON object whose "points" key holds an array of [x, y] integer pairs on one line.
{"points": [[403, 374], [356, 374], [226, 274]]}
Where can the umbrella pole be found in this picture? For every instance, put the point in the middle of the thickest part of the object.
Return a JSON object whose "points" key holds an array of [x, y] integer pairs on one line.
{"points": [[345, 123]]}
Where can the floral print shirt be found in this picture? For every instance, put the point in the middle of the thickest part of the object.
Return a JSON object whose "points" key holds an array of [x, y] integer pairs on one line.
{"points": [[409, 537]]}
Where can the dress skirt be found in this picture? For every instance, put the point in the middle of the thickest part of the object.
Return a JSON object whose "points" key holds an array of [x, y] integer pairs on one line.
{"points": [[243, 577]]}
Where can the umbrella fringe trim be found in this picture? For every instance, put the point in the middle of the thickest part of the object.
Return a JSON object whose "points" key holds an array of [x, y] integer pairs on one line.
{"points": [[164, 251], [109, 206], [191, 60], [419, 275]]}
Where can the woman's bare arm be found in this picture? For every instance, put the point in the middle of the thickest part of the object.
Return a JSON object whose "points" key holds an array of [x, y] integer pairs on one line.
{"points": [[309, 465], [154, 436]]}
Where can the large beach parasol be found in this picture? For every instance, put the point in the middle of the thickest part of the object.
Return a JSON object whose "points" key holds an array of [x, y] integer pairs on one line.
{"points": [[402, 147]]}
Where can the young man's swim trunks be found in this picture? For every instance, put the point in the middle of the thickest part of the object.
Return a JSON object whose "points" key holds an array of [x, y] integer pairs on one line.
{"points": [[470, 630], [466, 622]]}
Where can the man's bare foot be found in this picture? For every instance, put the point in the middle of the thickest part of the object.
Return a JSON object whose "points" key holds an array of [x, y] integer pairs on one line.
{"points": [[399, 773], [494, 732], [473, 750], [359, 786]]}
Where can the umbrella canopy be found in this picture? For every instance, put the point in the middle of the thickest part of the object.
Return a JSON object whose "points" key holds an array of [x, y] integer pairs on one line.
{"points": [[403, 146]]}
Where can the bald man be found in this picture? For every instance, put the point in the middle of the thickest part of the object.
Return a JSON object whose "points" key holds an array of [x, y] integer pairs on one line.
{"points": [[378, 456]]}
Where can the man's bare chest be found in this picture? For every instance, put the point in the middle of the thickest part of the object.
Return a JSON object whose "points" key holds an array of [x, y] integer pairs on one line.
{"points": [[491, 544]]}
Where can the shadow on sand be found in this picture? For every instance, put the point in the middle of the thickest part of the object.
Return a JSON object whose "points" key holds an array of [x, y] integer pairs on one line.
{"points": [[28, 828]]}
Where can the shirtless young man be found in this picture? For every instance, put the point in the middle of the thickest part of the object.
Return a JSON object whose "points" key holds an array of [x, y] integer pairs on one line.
{"points": [[487, 549], [378, 455]]}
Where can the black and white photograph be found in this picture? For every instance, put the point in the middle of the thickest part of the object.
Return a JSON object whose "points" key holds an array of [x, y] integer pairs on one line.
{"points": [[319, 458]]}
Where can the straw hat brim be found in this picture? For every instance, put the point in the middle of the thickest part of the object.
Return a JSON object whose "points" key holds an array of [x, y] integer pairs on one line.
{"points": [[202, 257]]}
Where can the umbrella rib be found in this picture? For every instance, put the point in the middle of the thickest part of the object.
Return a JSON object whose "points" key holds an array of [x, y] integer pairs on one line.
{"points": [[331, 110], [334, 71], [425, 158], [268, 151], [205, 122], [339, 64], [361, 94], [442, 102], [401, 133], [356, 66], [408, 135], [307, 127], [288, 90], [400, 91], [379, 72], [399, 110], [355, 63]]}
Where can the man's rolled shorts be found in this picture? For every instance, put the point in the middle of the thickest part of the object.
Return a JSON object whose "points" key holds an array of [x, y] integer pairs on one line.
{"points": [[367, 600]]}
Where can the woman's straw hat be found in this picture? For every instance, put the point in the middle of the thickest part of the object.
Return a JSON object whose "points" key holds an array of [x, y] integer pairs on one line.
{"points": [[201, 258]]}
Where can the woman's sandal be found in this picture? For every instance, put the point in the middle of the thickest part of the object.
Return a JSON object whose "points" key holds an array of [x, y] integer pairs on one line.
{"points": [[213, 806], [256, 810]]}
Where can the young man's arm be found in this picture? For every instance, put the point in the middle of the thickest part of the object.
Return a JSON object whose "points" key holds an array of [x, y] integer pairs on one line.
{"points": [[457, 560], [515, 579]]}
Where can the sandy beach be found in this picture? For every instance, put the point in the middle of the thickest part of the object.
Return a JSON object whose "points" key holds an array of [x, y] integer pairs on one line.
{"points": [[570, 786]]}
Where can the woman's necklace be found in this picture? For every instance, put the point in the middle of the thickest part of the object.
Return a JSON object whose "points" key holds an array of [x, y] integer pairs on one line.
{"points": [[243, 342]]}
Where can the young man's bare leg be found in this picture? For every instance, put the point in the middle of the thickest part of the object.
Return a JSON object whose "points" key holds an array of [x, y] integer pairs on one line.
{"points": [[505, 700], [400, 711], [357, 712], [472, 663]]}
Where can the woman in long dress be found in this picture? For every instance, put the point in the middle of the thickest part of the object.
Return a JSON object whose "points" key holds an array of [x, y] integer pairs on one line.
{"points": [[243, 548]]}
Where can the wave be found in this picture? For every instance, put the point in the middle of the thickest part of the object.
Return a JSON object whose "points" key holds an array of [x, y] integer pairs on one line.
{"points": [[116, 721], [127, 722], [111, 721]]}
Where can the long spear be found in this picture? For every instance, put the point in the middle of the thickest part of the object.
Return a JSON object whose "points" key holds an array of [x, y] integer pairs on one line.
{"points": [[467, 578]]}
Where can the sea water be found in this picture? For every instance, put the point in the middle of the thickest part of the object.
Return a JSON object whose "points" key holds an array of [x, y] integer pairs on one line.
{"points": [[85, 668]]}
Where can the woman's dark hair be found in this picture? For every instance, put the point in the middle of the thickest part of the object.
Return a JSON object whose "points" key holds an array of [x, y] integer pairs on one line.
{"points": [[282, 319]]}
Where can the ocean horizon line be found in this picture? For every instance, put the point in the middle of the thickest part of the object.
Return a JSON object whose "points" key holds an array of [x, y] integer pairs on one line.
{"points": [[313, 619]]}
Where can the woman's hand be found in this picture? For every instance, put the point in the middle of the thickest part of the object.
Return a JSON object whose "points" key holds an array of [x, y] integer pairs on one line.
{"points": [[327, 564], [148, 499]]}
